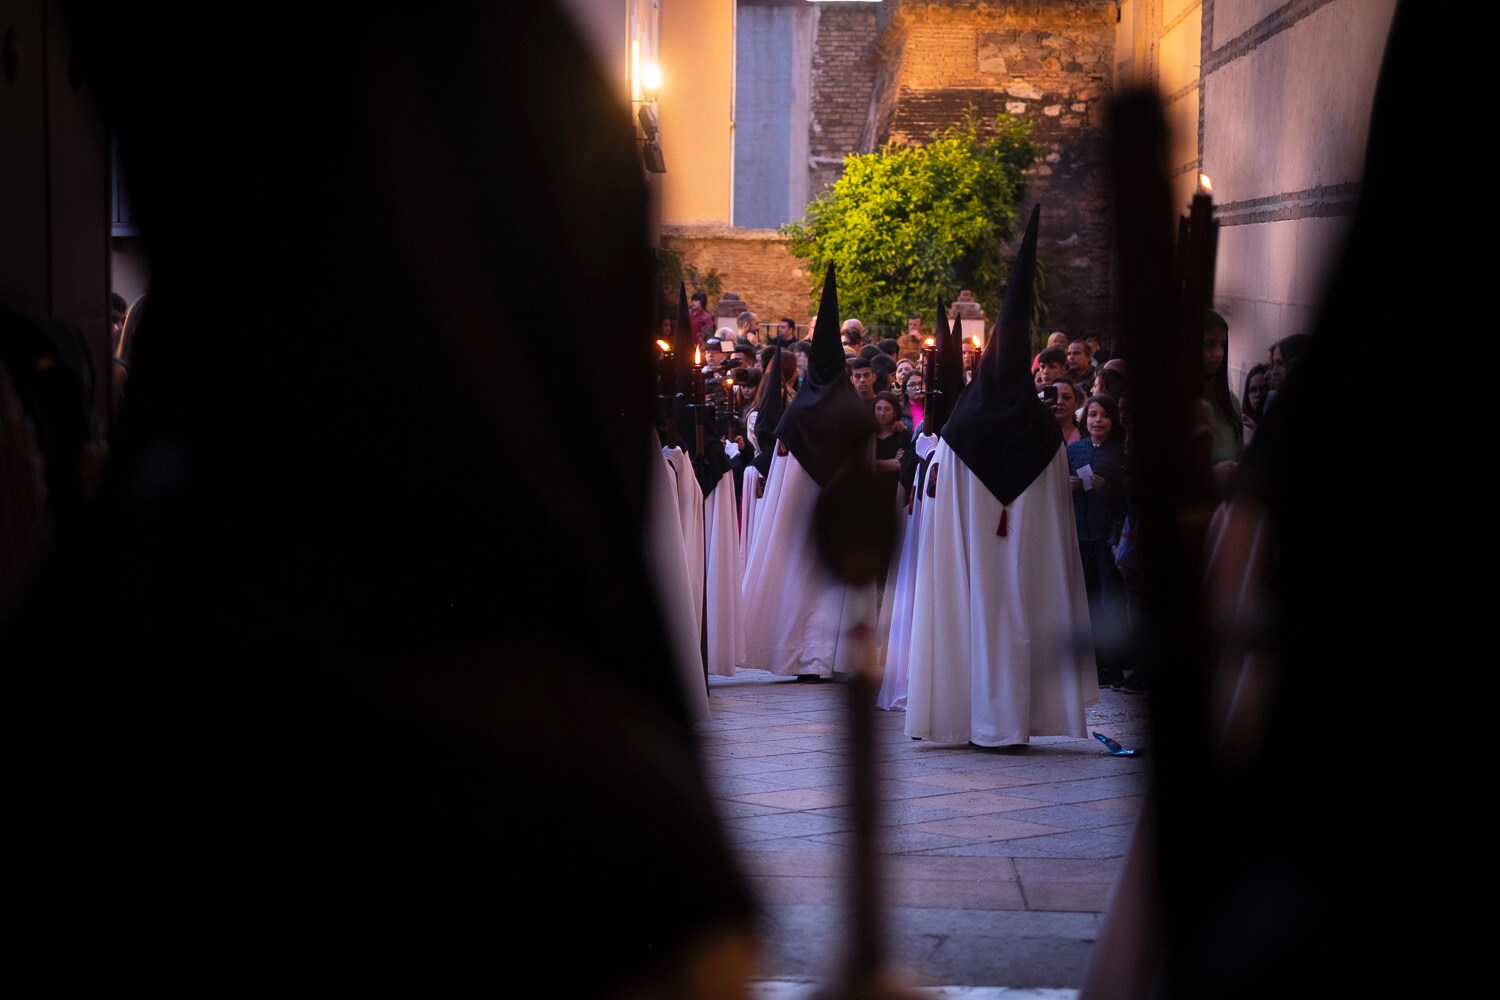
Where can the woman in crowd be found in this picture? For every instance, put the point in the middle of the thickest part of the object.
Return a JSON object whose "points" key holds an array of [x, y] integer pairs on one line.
{"points": [[913, 395], [1253, 399], [1110, 381], [788, 374], [1227, 424], [892, 435], [1066, 404], [892, 438]]}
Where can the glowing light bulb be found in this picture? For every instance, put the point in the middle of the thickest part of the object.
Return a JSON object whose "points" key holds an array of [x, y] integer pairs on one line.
{"points": [[650, 79]]}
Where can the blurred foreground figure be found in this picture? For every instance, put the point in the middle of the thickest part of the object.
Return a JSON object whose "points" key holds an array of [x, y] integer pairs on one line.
{"points": [[344, 676], [801, 613], [1269, 875]]}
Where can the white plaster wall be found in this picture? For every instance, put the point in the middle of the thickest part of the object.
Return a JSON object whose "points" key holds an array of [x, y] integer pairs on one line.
{"points": [[1180, 52], [1171, 8], [1291, 115], [1234, 17], [1125, 68], [696, 110], [1182, 132], [1270, 281], [1286, 117]]}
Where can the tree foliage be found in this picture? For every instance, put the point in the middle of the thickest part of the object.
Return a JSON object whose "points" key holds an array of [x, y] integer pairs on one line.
{"points": [[672, 272], [907, 223]]}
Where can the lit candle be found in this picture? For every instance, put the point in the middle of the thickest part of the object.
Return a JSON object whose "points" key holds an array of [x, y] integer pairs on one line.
{"points": [[698, 376], [929, 362]]}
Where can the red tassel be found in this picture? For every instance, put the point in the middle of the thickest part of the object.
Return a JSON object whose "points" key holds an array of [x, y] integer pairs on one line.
{"points": [[1002, 531], [932, 480]]}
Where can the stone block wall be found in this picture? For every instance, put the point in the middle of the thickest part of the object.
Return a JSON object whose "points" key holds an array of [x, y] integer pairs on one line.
{"points": [[1052, 63], [753, 263]]}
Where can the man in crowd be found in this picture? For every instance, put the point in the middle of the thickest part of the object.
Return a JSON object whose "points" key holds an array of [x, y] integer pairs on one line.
{"points": [[1081, 365], [713, 352], [786, 331], [749, 334], [1052, 363], [862, 375], [1100, 354]]}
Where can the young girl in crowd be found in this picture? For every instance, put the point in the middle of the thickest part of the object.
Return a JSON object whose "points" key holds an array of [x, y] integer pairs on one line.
{"points": [[1097, 464], [913, 394]]}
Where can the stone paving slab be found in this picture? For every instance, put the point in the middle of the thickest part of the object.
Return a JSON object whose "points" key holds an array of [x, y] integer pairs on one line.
{"points": [[996, 868]]}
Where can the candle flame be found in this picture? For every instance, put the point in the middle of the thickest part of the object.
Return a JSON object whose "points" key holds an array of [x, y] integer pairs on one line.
{"points": [[977, 345], [697, 356], [1205, 183], [664, 345], [930, 342], [729, 382]]}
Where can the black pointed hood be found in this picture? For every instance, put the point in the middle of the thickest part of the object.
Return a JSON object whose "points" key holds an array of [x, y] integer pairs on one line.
{"points": [[826, 425], [682, 345], [947, 378], [998, 427], [944, 381]]}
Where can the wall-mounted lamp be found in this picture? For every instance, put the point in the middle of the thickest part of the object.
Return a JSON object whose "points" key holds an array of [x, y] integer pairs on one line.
{"points": [[650, 79], [651, 151], [651, 155], [647, 118]]}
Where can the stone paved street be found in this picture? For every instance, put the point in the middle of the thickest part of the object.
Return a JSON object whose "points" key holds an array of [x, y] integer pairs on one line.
{"points": [[997, 867]]}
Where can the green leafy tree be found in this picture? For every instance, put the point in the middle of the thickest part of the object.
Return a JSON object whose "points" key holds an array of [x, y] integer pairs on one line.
{"points": [[909, 222]]}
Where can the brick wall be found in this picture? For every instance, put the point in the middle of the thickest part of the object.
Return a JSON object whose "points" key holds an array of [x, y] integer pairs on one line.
{"points": [[843, 81], [1051, 63], [752, 263]]}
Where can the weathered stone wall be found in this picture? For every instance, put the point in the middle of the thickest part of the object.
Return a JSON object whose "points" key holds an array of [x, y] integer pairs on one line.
{"points": [[753, 263], [1052, 63], [843, 80]]}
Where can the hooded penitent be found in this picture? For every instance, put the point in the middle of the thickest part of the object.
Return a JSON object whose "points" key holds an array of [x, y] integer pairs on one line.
{"points": [[943, 382], [827, 425], [999, 428], [709, 465]]}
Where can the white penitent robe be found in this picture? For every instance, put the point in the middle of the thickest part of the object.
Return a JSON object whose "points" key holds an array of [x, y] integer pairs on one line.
{"points": [[726, 623], [690, 514], [799, 613], [667, 560], [1000, 644], [900, 589], [749, 507]]}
